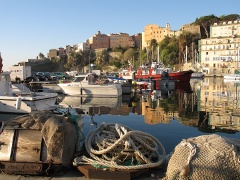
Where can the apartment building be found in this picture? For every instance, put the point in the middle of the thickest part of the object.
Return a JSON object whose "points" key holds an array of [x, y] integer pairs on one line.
{"points": [[153, 31], [121, 40], [219, 54], [84, 46], [99, 41], [69, 49], [137, 38]]}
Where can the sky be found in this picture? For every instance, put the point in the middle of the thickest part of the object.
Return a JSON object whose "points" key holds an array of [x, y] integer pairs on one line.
{"points": [[30, 27]]}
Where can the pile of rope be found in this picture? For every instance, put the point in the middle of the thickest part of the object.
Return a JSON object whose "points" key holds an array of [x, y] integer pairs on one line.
{"points": [[205, 157], [119, 147]]}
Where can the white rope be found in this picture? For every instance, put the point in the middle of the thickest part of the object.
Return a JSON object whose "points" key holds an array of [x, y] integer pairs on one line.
{"points": [[115, 145], [186, 169]]}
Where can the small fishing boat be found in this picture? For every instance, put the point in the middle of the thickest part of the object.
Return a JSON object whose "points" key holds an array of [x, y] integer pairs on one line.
{"points": [[91, 85], [157, 70]]}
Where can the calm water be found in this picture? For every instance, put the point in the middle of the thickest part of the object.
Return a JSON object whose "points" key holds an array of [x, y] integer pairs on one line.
{"points": [[187, 110]]}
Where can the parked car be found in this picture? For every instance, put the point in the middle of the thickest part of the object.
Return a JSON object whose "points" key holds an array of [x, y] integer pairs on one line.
{"points": [[37, 78]]}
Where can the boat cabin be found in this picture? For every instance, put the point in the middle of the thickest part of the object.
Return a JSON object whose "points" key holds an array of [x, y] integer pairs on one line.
{"points": [[90, 78]]}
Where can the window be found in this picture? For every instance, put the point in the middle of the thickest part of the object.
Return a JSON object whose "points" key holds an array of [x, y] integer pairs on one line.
{"points": [[206, 53]]}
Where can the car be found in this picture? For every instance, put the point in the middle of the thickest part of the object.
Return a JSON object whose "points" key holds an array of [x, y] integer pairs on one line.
{"points": [[36, 78]]}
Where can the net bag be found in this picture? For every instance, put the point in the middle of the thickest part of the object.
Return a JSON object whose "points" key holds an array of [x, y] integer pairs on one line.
{"points": [[205, 157]]}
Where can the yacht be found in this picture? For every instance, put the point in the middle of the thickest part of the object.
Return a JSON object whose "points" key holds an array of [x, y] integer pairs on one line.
{"points": [[91, 85]]}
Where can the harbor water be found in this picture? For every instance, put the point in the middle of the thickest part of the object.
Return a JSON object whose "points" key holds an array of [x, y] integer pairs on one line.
{"points": [[206, 106]]}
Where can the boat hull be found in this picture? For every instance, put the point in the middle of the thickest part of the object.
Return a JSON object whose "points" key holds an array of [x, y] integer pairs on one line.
{"points": [[183, 76], [102, 90], [26, 104]]}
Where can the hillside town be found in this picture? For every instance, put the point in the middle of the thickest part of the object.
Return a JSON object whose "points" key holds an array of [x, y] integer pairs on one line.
{"points": [[160, 104], [215, 54]]}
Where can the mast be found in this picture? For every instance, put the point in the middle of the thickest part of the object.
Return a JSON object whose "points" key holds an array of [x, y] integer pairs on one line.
{"points": [[238, 57], [186, 55], [1, 65], [158, 55]]}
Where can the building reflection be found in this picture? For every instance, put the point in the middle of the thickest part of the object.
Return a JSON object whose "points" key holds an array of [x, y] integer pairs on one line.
{"points": [[211, 105], [221, 100]]}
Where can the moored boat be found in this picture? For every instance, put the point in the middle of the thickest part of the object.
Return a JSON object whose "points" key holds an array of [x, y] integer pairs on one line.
{"points": [[156, 72], [15, 100], [91, 85]]}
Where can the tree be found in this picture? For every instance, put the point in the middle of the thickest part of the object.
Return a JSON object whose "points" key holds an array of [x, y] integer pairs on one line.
{"points": [[128, 55], [206, 22], [74, 59], [102, 57], [187, 39], [169, 50], [230, 17]]}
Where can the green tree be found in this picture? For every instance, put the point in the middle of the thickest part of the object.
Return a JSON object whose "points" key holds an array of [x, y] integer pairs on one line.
{"points": [[102, 58], [169, 51], [230, 17], [129, 56], [74, 61], [206, 22]]}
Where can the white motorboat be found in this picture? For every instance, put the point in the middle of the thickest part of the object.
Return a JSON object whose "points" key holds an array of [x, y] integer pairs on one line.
{"points": [[232, 77], [91, 85], [15, 100]]}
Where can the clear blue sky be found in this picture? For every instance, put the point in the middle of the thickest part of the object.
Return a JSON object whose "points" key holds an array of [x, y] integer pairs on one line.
{"points": [[28, 27]]}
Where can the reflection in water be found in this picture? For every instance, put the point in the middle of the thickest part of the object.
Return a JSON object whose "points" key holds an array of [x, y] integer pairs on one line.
{"points": [[207, 106], [210, 105]]}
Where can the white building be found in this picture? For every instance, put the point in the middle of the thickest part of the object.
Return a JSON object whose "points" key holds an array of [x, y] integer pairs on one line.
{"points": [[84, 46], [19, 72], [219, 54]]}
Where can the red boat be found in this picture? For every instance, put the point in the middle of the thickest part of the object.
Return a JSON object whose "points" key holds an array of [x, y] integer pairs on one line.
{"points": [[157, 73]]}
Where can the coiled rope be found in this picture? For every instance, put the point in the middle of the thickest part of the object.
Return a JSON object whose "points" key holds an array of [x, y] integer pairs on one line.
{"points": [[117, 146]]}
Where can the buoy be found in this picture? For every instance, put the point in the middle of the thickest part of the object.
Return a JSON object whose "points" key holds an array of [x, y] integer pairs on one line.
{"points": [[18, 103]]}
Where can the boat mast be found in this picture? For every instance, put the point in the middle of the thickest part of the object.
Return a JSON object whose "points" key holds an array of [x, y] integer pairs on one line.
{"points": [[1, 65], [238, 57], [158, 55], [186, 55]]}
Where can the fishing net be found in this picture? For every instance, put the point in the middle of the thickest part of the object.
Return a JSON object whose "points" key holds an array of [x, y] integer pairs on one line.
{"points": [[205, 157], [59, 133]]}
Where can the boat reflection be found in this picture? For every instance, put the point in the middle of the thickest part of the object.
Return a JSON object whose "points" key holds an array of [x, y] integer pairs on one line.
{"points": [[92, 105], [210, 105]]}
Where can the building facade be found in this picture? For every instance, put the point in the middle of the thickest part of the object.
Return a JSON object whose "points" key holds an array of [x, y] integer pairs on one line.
{"points": [[84, 46], [153, 31], [52, 53], [99, 41], [219, 54]]}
